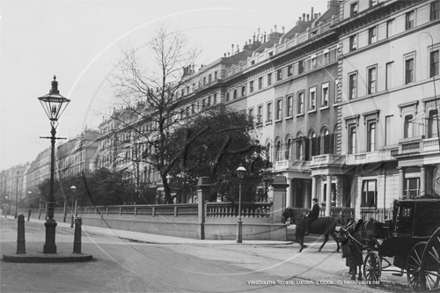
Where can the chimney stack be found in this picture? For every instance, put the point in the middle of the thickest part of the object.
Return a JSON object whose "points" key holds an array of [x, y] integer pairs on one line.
{"points": [[311, 13]]}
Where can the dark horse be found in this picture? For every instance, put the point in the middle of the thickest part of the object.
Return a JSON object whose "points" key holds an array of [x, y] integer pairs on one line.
{"points": [[325, 225], [356, 237], [320, 226]]}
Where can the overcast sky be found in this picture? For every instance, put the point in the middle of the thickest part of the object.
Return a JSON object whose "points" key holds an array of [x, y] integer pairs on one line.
{"points": [[80, 42]]}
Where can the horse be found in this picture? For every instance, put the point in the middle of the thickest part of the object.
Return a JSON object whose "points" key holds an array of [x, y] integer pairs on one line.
{"points": [[289, 213], [356, 237], [325, 225]]}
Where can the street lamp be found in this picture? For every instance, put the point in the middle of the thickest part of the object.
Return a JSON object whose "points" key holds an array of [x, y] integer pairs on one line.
{"points": [[72, 189], [29, 199], [240, 173], [16, 199], [54, 105]]}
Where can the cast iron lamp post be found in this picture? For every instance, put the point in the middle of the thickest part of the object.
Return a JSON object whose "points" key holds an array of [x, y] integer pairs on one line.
{"points": [[29, 199], [240, 173], [72, 189], [16, 199], [54, 105]]}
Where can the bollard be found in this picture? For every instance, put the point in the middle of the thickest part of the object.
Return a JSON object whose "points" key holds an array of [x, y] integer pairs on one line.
{"points": [[77, 238], [21, 245]]}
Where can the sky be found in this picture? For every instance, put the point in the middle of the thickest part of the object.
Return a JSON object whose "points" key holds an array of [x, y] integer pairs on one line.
{"points": [[80, 41]]}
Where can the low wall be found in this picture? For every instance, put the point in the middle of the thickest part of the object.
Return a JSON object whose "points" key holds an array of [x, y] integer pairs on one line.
{"points": [[181, 226], [204, 220], [178, 227], [250, 231]]}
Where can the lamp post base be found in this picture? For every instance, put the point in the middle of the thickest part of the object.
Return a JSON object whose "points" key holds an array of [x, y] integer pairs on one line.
{"points": [[49, 246], [239, 231]]}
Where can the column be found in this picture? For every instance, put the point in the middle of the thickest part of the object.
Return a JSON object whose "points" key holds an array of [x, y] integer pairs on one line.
{"points": [[328, 203], [289, 195], [422, 181], [313, 190], [401, 182]]}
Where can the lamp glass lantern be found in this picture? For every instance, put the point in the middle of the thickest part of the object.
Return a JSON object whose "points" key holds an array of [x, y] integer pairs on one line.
{"points": [[240, 171], [53, 103]]}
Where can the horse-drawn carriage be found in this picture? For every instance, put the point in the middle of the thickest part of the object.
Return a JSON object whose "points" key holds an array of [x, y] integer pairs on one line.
{"points": [[411, 240]]}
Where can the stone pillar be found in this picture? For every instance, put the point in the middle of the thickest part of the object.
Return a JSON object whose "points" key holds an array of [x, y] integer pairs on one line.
{"points": [[401, 182], [313, 190], [328, 203], [279, 186], [422, 181], [203, 193]]}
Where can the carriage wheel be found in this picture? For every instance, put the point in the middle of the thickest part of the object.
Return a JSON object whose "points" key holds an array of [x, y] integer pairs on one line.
{"points": [[413, 264], [430, 265], [372, 266]]}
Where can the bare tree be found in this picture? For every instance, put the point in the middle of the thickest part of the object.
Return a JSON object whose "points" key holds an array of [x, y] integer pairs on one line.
{"points": [[146, 87]]}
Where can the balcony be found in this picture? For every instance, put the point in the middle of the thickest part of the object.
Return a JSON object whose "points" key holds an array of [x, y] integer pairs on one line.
{"points": [[371, 157], [327, 159], [418, 144], [292, 165]]}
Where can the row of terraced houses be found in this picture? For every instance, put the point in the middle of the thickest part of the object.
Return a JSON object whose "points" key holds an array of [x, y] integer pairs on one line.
{"points": [[347, 99]]}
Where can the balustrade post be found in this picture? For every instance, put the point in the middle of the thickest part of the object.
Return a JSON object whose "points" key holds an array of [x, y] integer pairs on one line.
{"points": [[279, 198], [203, 192]]}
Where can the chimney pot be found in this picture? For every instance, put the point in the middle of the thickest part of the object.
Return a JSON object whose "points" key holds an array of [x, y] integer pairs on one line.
{"points": [[308, 17]]}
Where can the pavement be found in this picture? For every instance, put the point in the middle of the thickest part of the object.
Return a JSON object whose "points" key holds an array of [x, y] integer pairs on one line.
{"points": [[314, 241]]}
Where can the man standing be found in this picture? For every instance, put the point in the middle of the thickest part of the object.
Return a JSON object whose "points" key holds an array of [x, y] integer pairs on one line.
{"points": [[313, 215]]}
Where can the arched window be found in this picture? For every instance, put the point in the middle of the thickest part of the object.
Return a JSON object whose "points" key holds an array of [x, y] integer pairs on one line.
{"points": [[300, 146], [278, 150], [288, 148], [235, 94], [313, 148], [326, 141]]}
